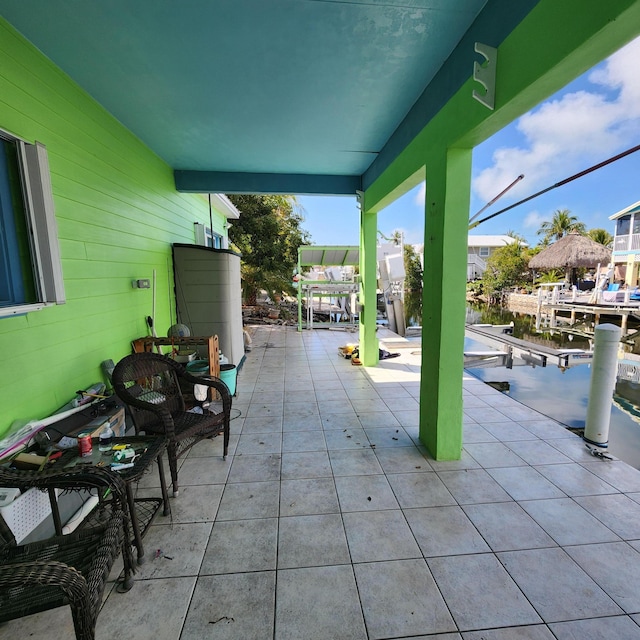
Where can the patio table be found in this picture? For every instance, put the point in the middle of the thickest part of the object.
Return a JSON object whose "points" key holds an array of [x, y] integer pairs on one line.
{"points": [[142, 510]]}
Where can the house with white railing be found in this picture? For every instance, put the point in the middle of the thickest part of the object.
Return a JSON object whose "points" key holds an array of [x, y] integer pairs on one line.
{"points": [[479, 248], [626, 243]]}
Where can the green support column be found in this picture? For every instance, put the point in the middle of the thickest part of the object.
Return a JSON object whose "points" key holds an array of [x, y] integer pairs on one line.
{"points": [[448, 183], [299, 288], [368, 280]]}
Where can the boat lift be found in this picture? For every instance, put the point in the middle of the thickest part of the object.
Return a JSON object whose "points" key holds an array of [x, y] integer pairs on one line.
{"points": [[334, 286], [312, 290], [507, 349]]}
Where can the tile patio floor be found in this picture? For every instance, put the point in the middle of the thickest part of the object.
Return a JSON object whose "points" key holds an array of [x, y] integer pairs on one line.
{"points": [[331, 522]]}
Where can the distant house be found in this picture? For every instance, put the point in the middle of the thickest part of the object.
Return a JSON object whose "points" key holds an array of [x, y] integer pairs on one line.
{"points": [[626, 243], [479, 248]]}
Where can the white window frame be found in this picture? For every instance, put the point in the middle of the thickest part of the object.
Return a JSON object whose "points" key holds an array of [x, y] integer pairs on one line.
{"points": [[39, 210], [205, 237]]}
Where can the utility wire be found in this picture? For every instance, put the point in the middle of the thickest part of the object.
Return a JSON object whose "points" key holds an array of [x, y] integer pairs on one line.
{"points": [[486, 206], [558, 184]]}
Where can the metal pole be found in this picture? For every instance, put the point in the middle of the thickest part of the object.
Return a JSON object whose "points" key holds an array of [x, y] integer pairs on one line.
{"points": [[557, 184], [603, 380], [486, 206]]}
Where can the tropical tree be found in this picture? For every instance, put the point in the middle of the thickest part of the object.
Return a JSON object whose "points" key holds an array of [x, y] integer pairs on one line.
{"points": [[413, 269], [560, 225], [553, 275], [506, 267], [267, 234], [397, 237], [601, 236], [516, 236]]}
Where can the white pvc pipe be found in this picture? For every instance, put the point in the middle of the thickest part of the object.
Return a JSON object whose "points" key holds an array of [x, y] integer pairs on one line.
{"points": [[24, 431], [603, 379], [80, 515], [154, 333]]}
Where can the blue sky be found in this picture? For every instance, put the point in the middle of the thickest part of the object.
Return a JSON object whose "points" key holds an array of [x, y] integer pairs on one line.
{"points": [[593, 118]]}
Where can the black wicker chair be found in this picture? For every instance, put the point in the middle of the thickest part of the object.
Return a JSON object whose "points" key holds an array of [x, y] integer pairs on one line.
{"points": [[150, 385], [65, 570]]}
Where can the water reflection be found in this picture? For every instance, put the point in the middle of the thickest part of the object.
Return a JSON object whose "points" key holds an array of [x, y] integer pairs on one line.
{"points": [[413, 308], [563, 394], [524, 327]]}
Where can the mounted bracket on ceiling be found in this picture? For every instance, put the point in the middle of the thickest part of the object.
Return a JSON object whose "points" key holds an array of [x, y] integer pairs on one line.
{"points": [[485, 74]]}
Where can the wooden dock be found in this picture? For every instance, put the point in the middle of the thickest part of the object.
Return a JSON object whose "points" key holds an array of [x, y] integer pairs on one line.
{"points": [[553, 300], [623, 311]]}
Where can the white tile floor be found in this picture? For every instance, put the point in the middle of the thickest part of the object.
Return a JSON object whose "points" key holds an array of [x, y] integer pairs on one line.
{"points": [[330, 521]]}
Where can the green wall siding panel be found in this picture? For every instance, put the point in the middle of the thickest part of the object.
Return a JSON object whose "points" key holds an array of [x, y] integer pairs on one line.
{"points": [[118, 213]]}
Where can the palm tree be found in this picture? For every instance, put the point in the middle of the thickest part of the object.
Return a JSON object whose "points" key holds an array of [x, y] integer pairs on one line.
{"points": [[520, 239], [601, 236], [554, 275], [561, 224], [397, 237]]}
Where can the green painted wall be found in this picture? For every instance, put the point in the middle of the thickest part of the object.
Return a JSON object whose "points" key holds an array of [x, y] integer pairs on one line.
{"points": [[117, 212]]}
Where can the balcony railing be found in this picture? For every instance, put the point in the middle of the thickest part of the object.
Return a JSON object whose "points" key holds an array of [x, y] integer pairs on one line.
{"points": [[476, 266], [628, 242], [621, 243]]}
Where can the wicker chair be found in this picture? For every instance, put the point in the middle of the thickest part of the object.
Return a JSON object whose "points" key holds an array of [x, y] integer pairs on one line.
{"points": [[150, 385], [65, 570]]}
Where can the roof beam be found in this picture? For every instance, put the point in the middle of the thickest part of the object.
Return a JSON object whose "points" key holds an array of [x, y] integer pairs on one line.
{"points": [[453, 74], [188, 181], [523, 80]]}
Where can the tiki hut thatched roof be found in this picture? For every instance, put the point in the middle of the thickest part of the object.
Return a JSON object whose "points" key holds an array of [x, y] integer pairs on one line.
{"points": [[571, 252]]}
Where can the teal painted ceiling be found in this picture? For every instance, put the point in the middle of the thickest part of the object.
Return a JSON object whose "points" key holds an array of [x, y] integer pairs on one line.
{"points": [[313, 87]]}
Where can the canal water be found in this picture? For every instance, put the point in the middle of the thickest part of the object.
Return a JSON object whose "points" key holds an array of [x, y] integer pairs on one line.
{"points": [[561, 394]]}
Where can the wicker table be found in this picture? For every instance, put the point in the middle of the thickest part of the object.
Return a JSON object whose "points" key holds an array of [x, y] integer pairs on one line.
{"points": [[142, 510]]}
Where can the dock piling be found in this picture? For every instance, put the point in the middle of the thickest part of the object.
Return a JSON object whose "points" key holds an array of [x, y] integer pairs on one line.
{"points": [[603, 379]]}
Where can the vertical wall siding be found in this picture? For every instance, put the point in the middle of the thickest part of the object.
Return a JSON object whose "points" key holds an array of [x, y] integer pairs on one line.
{"points": [[117, 212]]}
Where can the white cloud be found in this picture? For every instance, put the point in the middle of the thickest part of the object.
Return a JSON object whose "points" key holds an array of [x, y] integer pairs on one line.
{"points": [[421, 195], [414, 236], [564, 135], [533, 220], [620, 72], [411, 235]]}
